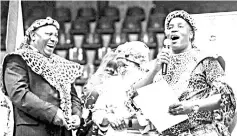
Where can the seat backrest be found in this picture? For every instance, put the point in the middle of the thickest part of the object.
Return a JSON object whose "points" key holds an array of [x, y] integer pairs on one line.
{"points": [[156, 24], [137, 12], [88, 13], [63, 14], [131, 25], [37, 12], [105, 26], [158, 11], [111, 12], [80, 26]]}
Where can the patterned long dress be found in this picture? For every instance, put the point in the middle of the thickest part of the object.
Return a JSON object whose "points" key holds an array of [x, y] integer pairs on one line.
{"points": [[195, 75]]}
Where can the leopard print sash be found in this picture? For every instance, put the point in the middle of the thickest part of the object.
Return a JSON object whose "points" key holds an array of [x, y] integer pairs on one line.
{"points": [[58, 71]]}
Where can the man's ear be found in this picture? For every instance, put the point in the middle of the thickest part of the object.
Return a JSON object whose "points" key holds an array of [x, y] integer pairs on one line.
{"points": [[32, 36]]}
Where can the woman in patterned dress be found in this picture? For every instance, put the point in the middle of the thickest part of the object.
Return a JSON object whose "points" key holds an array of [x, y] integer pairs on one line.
{"points": [[196, 78]]}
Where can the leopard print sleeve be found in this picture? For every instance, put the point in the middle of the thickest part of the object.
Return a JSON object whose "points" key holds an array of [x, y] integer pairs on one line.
{"points": [[216, 79]]}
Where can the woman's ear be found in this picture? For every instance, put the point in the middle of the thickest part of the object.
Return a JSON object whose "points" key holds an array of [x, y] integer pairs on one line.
{"points": [[191, 36]]}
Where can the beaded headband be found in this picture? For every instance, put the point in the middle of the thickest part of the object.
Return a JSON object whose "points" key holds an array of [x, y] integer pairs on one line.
{"points": [[181, 14], [37, 24]]}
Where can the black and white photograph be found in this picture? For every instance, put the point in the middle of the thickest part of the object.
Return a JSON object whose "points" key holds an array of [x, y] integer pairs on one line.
{"points": [[118, 68]]}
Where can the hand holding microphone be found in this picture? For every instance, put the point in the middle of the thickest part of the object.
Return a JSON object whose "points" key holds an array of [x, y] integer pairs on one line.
{"points": [[167, 44], [164, 55]]}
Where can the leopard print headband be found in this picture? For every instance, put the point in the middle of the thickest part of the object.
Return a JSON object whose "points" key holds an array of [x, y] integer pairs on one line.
{"points": [[181, 14], [35, 25]]}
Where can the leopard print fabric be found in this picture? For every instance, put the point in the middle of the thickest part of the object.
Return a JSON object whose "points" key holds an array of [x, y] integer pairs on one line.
{"points": [[59, 73], [179, 70], [182, 14], [193, 75], [35, 25]]}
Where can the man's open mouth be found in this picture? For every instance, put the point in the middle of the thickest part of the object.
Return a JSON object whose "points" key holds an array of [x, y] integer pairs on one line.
{"points": [[50, 45]]}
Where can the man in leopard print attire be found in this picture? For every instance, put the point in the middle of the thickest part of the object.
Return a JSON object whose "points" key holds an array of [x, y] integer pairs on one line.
{"points": [[40, 84]]}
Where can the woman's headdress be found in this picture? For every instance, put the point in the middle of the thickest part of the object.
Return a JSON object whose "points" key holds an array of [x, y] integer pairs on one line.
{"points": [[184, 15], [37, 24], [181, 14]]}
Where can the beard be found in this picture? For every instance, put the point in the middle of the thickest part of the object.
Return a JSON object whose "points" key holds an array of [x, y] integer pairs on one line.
{"points": [[130, 74], [123, 71]]}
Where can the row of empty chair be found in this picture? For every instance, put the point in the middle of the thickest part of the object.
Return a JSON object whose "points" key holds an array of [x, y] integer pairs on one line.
{"points": [[103, 24], [88, 37]]}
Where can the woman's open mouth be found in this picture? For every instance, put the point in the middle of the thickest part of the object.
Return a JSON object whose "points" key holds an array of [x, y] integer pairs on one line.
{"points": [[174, 37]]}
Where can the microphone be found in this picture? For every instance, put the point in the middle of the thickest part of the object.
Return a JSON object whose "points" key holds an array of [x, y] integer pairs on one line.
{"points": [[167, 43]]}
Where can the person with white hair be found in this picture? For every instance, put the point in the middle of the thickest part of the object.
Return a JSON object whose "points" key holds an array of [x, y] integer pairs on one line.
{"points": [[114, 111]]}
